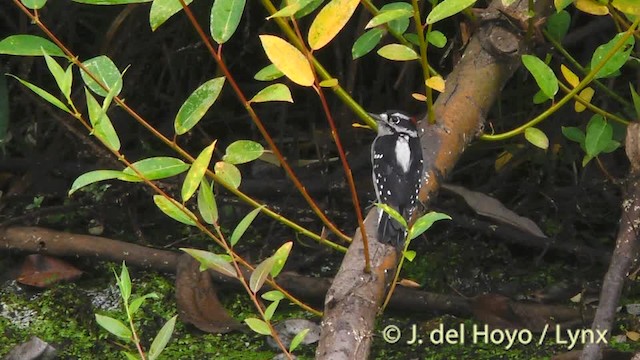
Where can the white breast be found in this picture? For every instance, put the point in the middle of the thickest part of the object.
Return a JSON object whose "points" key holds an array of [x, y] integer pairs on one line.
{"points": [[403, 153]]}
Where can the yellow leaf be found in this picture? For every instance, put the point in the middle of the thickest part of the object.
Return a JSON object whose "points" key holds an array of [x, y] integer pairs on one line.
{"points": [[329, 82], [419, 97], [329, 21], [571, 78], [633, 336], [502, 160], [408, 283], [585, 95], [288, 59], [592, 7], [436, 83]]}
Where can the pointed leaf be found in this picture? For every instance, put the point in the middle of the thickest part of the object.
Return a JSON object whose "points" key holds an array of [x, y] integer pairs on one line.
{"points": [[196, 172], [329, 83], [617, 60], [96, 176], [286, 11], [561, 4], [288, 59], [307, 7], [243, 151], [268, 312], [366, 42], [273, 295], [536, 137], [274, 92], [424, 223], [599, 135], [243, 225], [162, 10], [397, 52], [127, 354], [225, 17], [329, 21], [162, 339], [586, 94], [228, 173], [197, 105], [103, 69], [114, 326], [124, 283], [102, 127], [409, 255], [297, 340], [268, 73], [399, 26], [207, 203], [155, 168], [209, 260], [437, 83], [137, 302], [574, 134], [28, 45], [393, 213], [258, 326], [447, 8], [260, 273], [174, 210], [63, 79], [280, 258], [384, 17], [571, 78], [544, 76], [43, 94], [636, 100]]}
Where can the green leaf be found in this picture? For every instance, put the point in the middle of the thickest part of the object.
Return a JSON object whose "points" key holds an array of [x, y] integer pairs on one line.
{"points": [[243, 225], [274, 92], [308, 8], [540, 97], [225, 17], [63, 78], [174, 210], [34, 4], [209, 260], [273, 295], [619, 58], [207, 203], [43, 94], [399, 26], [629, 7], [574, 134], [28, 45], [558, 24], [412, 38], [111, 2], [366, 42], [385, 16], [268, 312], [636, 100], [127, 354], [162, 339], [329, 83], [544, 76], [137, 302], [424, 223], [162, 10], [155, 168], [197, 105], [268, 73], [280, 258], [103, 69], [102, 127], [228, 173], [114, 326], [561, 4], [98, 175], [124, 283], [448, 8], [393, 213], [536, 137], [258, 326], [611, 146], [242, 151], [397, 52], [437, 39], [260, 273], [599, 135], [196, 172], [297, 340], [409, 255], [288, 10]]}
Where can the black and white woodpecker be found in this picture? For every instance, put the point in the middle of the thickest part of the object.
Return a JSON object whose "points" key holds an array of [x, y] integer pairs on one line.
{"points": [[396, 156]]}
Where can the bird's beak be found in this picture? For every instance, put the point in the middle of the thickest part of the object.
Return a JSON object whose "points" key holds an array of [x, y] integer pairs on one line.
{"points": [[375, 117]]}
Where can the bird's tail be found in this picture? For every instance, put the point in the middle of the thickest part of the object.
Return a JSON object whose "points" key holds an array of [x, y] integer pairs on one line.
{"points": [[390, 231]]}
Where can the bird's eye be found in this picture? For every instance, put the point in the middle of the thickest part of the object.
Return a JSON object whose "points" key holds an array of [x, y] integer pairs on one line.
{"points": [[395, 120]]}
